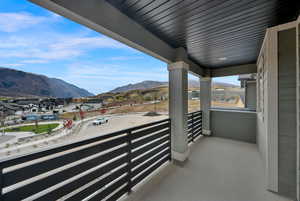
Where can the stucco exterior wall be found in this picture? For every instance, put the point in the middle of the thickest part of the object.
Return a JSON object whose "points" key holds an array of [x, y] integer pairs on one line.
{"points": [[287, 146], [234, 124]]}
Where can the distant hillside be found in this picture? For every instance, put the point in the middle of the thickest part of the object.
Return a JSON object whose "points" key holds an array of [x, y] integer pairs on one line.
{"points": [[222, 92], [153, 84], [141, 85], [196, 84], [18, 83]]}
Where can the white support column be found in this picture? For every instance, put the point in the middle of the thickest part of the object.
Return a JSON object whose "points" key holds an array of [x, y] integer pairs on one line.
{"points": [[178, 109], [205, 102]]}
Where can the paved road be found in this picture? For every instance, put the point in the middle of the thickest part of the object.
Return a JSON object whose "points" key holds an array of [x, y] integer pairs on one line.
{"points": [[115, 123]]}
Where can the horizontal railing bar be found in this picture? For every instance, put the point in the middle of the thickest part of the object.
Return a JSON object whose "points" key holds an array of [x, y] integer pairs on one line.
{"points": [[30, 171], [42, 184], [72, 186], [15, 160], [118, 194], [197, 120], [199, 131], [195, 112], [198, 125], [149, 146], [100, 184], [194, 117], [197, 116], [108, 190], [197, 128], [37, 155], [149, 162], [149, 138], [148, 131], [196, 135], [149, 155], [149, 171], [146, 125], [194, 125]]}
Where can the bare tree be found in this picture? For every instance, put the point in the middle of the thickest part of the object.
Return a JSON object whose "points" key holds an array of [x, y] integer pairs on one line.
{"points": [[3, 115], [36, 124], [155, 101]]}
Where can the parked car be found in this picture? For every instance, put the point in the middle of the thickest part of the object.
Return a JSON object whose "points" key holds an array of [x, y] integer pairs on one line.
{"points": [[19, 121], [9, 123], [100, 121], [49, 117], [32, 117]]}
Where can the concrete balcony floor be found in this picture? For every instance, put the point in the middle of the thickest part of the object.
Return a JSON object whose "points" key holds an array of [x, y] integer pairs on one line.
{"points": [[217, 170]]}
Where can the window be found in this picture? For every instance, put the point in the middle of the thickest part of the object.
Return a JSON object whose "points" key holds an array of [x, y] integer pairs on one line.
{"points": [[193, 93], [261, 80], [229, 91]]}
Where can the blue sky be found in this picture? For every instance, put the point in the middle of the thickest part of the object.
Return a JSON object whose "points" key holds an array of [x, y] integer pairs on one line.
{"points": [[35, 40]]}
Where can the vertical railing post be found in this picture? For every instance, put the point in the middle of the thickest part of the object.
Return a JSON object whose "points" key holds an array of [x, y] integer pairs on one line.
{"points": [[129, 163], [1, 183], [201, 121], [192, 127], [170, 142]]}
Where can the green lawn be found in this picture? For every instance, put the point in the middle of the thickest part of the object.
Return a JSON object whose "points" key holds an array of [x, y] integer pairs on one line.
{"points": [[32, 128]]}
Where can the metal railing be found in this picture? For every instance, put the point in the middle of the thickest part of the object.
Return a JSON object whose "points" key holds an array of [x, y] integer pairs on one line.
{"points": [[105, 167], [194, 125]]}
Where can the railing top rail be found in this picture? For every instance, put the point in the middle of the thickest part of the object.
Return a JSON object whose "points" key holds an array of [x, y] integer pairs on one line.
{"points": [[196, 112], [14, 160]]}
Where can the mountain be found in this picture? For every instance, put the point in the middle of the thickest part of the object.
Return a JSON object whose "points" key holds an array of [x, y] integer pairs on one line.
{"points": [[19, 83], [140, 85], [196, 84], [193, 84], [153, 84]]}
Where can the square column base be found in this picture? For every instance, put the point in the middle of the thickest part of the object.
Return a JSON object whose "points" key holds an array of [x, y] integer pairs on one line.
{"points": [[206, 132], [180, 157]]}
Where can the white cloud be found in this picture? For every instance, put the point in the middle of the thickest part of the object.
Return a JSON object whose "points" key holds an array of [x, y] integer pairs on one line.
{"points": [[35, 61], [109, 72], [12, 65], [42, 42], [13, 42], [54, 15], [125, 58], [87, 43], [53, 46], [12, 22]]}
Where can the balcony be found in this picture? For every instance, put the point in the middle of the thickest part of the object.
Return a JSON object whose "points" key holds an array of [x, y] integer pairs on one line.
{"points": [[209, 39], [137, 162]]}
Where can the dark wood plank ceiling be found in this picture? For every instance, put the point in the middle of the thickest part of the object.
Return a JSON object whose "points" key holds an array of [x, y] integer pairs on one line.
{"points": [[216, 33]]}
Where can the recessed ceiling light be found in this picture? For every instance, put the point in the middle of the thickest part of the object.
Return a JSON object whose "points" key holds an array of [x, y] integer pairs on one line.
{"points": [[223, 58]]}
